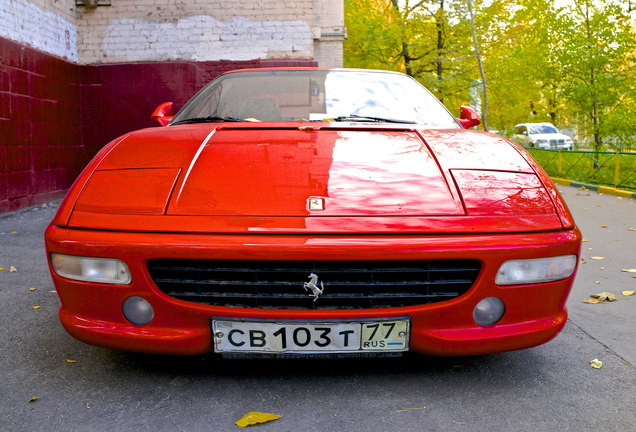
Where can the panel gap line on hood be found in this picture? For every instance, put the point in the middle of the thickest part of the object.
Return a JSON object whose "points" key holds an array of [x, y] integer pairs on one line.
{"points": [[194, 161], [452, 187], [174, 184]]}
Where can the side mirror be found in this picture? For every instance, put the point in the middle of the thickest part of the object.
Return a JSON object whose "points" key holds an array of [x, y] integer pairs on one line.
{"points": [[468, 117], [163, 114]]}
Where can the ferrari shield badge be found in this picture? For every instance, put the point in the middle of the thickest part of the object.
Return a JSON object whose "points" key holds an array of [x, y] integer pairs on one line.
{"points": [[316, 204]]}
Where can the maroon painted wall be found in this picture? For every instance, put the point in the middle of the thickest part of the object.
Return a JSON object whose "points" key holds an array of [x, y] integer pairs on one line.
{"points": [[40, 147], [55, 115]]}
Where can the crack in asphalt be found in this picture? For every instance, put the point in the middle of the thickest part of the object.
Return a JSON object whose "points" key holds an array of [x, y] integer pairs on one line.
{"points": [[627, 363]]}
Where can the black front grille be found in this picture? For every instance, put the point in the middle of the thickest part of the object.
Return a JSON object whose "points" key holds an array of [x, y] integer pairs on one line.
{"points": [[347, 285]]}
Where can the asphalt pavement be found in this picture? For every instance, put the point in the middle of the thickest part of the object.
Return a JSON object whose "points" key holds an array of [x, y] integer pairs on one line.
{"points": [[51, 382]]}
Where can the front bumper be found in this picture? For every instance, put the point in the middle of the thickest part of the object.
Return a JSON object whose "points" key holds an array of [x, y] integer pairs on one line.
{"points": [[549, 146], [92, 312]]}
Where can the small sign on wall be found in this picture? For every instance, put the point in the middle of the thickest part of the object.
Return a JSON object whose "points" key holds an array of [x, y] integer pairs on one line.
{"points": [[92, 3]]}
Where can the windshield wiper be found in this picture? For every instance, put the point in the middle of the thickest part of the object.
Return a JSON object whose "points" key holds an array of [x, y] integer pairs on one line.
{"points": [[355, 117], [208, 119]]}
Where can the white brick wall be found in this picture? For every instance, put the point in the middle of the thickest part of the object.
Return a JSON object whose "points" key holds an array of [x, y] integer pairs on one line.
{"points": [[198, 30], [159, 30], [202, 38], [45, 25]]}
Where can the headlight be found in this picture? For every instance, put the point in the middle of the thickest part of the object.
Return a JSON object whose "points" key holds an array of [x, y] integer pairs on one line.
{"points": [[542, 141], [529, 271], [102, 270]]}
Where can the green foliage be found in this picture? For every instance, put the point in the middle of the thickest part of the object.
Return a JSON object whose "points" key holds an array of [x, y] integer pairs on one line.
{"points": [[373, 41], [524, 76], [574, 67], [415, 38], [597, 50]]}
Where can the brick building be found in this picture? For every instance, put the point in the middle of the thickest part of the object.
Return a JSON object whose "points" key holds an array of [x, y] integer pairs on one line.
{"points": [[75, 74]]}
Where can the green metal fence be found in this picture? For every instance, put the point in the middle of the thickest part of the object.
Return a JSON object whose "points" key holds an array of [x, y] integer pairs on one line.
{"points": [[617, 169]]}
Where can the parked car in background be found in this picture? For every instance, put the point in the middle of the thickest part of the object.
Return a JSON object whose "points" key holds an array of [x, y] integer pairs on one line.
{"points": [[541, 136], [313, 212]]}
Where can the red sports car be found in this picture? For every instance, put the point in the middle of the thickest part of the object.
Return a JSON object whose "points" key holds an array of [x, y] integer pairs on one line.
{"points": [[312, 212]]}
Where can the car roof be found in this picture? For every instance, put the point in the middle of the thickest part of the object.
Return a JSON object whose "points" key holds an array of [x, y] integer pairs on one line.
{"points": [[304, 68]]}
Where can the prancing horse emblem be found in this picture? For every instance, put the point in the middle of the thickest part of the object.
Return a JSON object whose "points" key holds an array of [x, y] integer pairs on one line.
{"points": [[313, 286]]}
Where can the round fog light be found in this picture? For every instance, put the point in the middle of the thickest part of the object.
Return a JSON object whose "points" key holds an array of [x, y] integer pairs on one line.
{"points": [[138, 310], [489, 311]]}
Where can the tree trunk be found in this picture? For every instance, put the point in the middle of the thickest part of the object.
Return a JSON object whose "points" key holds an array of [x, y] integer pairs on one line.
{"points": [[440, 47], [484, 109], [405, 46], [407, 59], [597, 137]]}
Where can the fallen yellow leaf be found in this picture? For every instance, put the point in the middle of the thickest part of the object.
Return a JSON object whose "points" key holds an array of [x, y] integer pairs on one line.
{"points": [[604, 296], [603, 226], [628, 293], [37, 307], [13, 270], [1, 268], [629, 270], [593, 301], [584, 240], [401, 410], [33, 399], [252, 418], [597, 258], [596, 363], [71, 361], [31, 289], [14, 232], [632, 229]]}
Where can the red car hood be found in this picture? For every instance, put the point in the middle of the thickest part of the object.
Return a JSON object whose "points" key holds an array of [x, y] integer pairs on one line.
{"points": [[350, 173], [241, 177]]}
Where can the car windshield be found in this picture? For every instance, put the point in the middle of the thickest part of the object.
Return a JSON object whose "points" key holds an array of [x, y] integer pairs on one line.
{"points": [[542, 129], [316, 95]]}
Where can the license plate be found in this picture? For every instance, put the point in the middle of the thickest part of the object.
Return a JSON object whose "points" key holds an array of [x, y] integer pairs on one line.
{"points": [[308, 337]]}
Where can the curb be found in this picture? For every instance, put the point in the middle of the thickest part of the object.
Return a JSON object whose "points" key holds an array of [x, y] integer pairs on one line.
{"points": [[601, 189]]}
